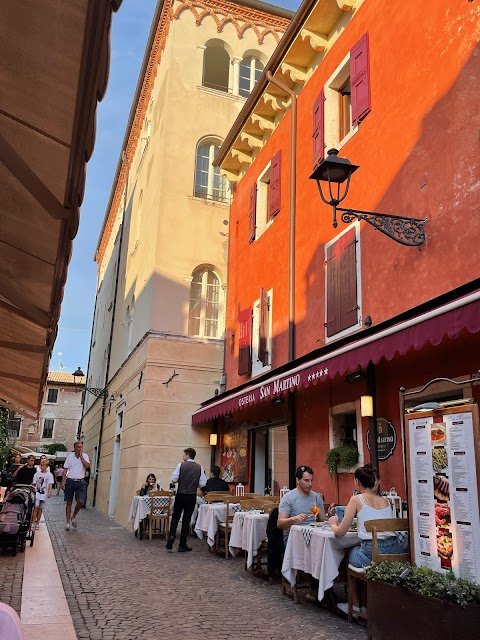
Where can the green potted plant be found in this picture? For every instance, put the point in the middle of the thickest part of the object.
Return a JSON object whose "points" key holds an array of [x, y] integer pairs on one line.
{"points": [[417, 602], [343, 457]]}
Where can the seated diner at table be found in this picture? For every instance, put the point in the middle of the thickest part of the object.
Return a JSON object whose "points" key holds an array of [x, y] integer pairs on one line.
{"points": [[339, 510], [214, 483], [296, 506], [149, 485], [367, 505]]}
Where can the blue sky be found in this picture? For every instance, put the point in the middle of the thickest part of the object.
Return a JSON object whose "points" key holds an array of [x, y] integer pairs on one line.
{"points": [[131, 26]]}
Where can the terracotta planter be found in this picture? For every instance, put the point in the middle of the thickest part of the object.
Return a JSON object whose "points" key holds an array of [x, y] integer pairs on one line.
{"points": [[397, 614]]}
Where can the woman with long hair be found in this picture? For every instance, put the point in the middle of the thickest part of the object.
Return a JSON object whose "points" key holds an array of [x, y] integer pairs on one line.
{"points": [[367, 504]]}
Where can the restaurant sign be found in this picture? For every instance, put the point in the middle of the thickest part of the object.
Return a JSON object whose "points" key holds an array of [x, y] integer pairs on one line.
{"points": [[386, 438]]}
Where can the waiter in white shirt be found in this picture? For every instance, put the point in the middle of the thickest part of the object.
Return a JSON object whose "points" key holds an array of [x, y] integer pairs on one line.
{"points": [[73, 482]]}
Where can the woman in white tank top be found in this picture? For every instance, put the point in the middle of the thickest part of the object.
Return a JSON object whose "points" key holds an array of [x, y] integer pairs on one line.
{"points": [[367, 505]]}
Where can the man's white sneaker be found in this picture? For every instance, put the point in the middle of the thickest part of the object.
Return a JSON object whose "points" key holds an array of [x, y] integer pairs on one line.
{"points": [[67, 527], [74, 523]]}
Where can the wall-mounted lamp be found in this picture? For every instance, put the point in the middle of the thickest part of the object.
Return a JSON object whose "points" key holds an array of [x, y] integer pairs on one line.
{"points": [[98, 393], [355, 377], [278, 401], [335, 170], [228, 416], [213, 439], [366, 406]]}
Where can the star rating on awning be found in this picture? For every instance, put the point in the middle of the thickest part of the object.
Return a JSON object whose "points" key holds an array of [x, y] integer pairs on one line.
{"points": [[319, 373]]}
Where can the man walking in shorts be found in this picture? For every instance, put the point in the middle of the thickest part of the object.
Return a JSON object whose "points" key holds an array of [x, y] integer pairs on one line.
{"points": [[73, 482]]}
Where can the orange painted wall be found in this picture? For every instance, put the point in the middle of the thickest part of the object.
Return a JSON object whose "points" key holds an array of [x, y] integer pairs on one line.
{"points": [[418, 156]]}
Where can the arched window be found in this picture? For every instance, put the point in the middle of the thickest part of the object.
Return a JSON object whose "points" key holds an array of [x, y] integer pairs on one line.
{"points": [[204, 312], [208, 181], [250, 71], [216, 66]]}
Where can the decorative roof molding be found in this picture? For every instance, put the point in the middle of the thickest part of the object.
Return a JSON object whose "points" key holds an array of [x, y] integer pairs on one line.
{"points": [[317, 26], [240, 16]]}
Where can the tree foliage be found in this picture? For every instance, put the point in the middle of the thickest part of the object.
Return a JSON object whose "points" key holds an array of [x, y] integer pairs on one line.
{"points": [[3, 436]]}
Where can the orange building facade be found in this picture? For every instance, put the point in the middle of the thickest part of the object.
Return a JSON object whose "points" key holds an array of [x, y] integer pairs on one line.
{"points": [[319, 316]]}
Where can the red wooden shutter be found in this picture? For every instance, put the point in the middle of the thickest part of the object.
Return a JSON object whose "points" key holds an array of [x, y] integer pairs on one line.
{"points": [[318, 135], [263, 327], [342, 294], [245, 342], [360, 79], [274, 203], [332, 323], [252, 214], [348, 280]]}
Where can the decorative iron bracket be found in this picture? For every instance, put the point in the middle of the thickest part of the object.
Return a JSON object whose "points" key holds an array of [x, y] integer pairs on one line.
{"points": [[407, 231], [98, 393]]}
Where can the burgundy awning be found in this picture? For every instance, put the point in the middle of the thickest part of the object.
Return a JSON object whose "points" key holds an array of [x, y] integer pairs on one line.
{"points": [[432, 327]]}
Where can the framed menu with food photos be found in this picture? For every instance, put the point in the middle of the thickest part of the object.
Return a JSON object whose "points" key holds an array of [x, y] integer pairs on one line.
{"points": [[443, 463]]}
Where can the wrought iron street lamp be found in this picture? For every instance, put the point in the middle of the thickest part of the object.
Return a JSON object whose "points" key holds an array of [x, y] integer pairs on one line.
{"points": [[336, 171], [99, 393]]}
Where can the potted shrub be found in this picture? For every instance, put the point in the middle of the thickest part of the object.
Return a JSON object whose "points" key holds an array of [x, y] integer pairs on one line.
{"points": [[423, 604], [344, 457]]}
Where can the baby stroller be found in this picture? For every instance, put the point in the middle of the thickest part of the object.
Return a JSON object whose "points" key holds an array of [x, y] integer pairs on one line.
{"points": [[16, 519]]}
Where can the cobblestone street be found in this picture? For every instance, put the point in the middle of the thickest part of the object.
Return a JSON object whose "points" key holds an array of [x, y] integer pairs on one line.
{"points": [[121, 588]]}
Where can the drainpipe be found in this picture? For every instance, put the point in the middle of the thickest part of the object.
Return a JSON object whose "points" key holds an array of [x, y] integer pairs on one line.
{"points": [[292, 428], [107, 370]]}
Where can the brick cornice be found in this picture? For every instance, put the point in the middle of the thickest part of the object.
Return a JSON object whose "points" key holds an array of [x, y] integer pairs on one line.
{"points": [[240, 16]]}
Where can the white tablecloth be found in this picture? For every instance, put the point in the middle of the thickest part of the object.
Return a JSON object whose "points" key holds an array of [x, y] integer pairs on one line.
{"points": [[209, 516], [140, 508], [249, 530], [320, 558]]}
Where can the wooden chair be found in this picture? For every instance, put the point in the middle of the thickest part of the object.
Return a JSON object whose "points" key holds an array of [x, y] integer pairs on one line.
{"points": [[270, 506], [252, 503], [260, 564], [270, 498], [219, 493], [354, 573], [217, 497], [159, 513], [225, 527]]}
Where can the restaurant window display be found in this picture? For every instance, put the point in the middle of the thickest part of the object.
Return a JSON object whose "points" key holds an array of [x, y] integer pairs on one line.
{"points": [[234, 455], [345, 429]]}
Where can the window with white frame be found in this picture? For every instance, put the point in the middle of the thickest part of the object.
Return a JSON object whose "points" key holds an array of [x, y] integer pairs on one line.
{"points": [[48, 426], [345, 429], [250, 71], [216, 66], [263, 219], [52, 396], [209, 183], [262, 333], [204, 318], [343, 299], [338, 107]]}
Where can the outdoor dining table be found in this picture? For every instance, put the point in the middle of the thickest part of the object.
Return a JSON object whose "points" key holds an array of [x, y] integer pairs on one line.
{"points": [[140, 508], [209, 517], [316, 551], [249, 530]]}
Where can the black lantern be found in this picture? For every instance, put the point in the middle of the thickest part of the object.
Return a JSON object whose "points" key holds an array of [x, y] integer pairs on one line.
{"points": [[336, 171], [99, 393]]}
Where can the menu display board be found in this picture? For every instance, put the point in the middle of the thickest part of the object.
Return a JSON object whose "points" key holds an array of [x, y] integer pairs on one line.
{"points": [[443, 486]]}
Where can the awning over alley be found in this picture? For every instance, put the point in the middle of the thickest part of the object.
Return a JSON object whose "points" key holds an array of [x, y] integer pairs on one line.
{"points": [[448, 320]]}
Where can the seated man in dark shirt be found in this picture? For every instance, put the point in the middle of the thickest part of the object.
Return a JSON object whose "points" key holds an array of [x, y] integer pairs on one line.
{"points": [[215, 483]]}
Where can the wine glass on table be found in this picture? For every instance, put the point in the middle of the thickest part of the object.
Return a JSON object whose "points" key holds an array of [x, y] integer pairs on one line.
{"points": [[315, 511]]}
